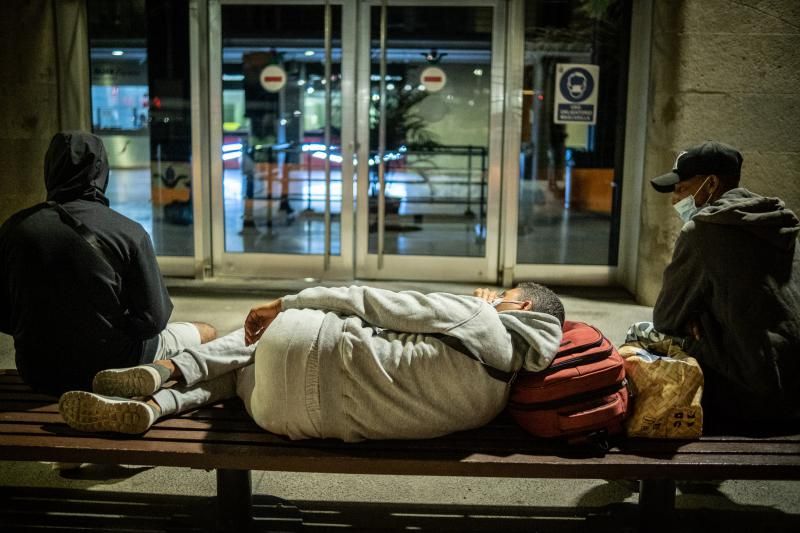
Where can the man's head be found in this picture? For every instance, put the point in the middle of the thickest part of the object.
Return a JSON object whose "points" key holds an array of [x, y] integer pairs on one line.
{"points": [[76, 166], [705, 171], [530, 296]]}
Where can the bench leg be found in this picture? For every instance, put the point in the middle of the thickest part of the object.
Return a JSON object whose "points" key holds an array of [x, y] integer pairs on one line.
{"points": [[656, 504], [234, 500]]}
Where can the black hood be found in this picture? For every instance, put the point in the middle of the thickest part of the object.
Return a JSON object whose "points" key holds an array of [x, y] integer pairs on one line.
{"points": [[766, 217], [75, 167]]}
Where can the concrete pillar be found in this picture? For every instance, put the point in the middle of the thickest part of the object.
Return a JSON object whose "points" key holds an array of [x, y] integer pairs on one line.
{"points": [[725, 70], [28, 100], [72, 54], [44, 88]]}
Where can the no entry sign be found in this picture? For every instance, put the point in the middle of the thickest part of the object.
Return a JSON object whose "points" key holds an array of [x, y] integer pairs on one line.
{"points": [[273, 78], [433, 79]]}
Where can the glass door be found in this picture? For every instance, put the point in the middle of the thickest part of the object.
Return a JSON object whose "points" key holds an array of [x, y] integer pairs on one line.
{"points": [[282, 84], [564, 209], [430, 85]]}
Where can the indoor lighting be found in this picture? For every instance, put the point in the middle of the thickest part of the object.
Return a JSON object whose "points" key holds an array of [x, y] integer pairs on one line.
{"points": [[232, 147]]}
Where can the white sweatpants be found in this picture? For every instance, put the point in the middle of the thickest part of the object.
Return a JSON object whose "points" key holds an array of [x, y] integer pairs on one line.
{"points": [[209, 371]]}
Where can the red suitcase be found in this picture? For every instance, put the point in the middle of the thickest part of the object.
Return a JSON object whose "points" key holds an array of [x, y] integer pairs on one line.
{"points": [[582, 396]]}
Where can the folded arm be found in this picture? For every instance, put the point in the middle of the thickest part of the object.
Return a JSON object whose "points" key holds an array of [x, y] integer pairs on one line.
{"points": [[408, 311]]}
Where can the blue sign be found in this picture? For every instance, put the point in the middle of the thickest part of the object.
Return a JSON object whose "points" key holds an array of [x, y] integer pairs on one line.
{"points": [[576, 95], [576, 84]]}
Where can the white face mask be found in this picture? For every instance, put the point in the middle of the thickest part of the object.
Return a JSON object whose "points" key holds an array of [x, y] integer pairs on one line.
{"points": [[501, 300], [687, 208]]}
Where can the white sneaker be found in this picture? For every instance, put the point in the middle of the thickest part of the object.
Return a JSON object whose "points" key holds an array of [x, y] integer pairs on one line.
{"points": [[142, 380], [86, 411]]}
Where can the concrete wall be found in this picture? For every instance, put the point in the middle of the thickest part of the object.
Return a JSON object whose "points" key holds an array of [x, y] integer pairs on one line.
{"points": [[28, 100], [726, 70], [41, 90]]}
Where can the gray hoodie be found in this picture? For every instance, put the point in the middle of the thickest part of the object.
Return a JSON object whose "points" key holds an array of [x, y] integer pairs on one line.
{"points": [[736, 271], [384, 373]]}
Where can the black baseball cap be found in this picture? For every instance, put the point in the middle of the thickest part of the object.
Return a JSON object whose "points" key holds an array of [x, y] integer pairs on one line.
{"points": [[711, 157]]}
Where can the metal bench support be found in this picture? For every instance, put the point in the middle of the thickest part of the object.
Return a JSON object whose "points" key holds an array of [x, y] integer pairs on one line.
{"points": [[234, 500], [656, 504]]}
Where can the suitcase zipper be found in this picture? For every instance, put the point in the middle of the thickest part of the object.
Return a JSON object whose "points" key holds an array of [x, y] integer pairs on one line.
{"points": [[563, 402], [583, 347], [591, 358]]}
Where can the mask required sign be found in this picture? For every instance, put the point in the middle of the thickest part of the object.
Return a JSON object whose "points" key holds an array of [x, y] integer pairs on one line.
{"points": [[576, 93]]}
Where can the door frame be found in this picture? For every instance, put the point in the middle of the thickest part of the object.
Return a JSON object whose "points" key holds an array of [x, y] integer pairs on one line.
{"points": [[638, 86], [263, 265], [499, 265], [417, 267]]}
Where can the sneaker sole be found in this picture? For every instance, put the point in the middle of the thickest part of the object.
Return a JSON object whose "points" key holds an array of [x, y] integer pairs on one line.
{"points": [[127, 382], [86, 411]]}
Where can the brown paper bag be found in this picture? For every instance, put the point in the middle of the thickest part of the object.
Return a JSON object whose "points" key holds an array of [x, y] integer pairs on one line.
{"points": [[667, 391]]}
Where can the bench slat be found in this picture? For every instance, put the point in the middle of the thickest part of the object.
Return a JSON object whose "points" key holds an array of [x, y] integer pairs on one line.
{"points": [[296, 459], [223, 436], [179, 431], [246, 432], [228, 419]]}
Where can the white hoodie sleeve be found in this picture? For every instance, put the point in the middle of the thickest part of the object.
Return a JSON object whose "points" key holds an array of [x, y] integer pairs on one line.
{"points": [[407, 311], [484, 331]]}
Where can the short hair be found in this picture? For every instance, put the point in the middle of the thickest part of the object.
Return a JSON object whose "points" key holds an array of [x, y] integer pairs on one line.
{"points": [[543, 299]]}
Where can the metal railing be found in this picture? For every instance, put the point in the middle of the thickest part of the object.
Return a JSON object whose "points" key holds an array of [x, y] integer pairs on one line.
{"points": [[420, 168]]}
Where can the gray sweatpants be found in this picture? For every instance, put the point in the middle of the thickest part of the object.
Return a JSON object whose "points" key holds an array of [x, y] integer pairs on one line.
{"points": [[211, 371]]}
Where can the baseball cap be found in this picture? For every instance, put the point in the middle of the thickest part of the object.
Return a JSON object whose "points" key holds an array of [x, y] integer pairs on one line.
{"points": [[710, 157]]}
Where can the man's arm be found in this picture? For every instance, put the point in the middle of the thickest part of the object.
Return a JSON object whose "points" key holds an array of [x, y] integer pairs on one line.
{"points": [[676, 308], [467, 318], [149, 304], [408, 311]]}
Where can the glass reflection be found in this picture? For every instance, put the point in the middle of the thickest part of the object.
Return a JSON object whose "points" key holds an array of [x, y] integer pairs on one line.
{"points": [[570, 173], [273, 102], [139, 53], [437, 130]]}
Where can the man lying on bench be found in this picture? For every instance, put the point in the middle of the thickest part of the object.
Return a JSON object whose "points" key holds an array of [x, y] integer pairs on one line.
{"points": [[352, 363]]}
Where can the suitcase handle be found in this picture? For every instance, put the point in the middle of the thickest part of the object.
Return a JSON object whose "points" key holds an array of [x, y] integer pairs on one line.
{"points": [[577, 421]]}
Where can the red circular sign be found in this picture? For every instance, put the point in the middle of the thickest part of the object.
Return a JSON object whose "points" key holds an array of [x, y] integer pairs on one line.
{"points": [[273, 78]]}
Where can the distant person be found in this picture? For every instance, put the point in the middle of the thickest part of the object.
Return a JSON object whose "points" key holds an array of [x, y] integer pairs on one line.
{"points": [[350, 363], [732, 288], [75, 308]]}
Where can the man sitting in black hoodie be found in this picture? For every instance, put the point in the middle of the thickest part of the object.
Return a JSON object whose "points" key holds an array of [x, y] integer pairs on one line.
{"points": [[733, 289], [80, 289]]}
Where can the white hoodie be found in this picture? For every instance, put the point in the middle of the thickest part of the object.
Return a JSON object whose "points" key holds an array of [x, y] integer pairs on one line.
{"points": [[374, 369]]}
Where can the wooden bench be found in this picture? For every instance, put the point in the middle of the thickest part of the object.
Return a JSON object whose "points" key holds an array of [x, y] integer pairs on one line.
{"points": [[222, 437]]}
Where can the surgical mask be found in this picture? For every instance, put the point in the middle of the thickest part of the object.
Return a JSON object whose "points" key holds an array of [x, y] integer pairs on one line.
{"points": [[687, 208], [498, 301]]}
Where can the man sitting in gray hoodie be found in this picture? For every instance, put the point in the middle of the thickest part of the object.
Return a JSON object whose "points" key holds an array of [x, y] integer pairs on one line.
{"points": [[733, 289], [351, 363]]}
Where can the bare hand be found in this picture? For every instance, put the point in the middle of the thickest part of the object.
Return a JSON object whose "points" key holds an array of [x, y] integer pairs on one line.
{"points": [[258, 320], [487, 295]]}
